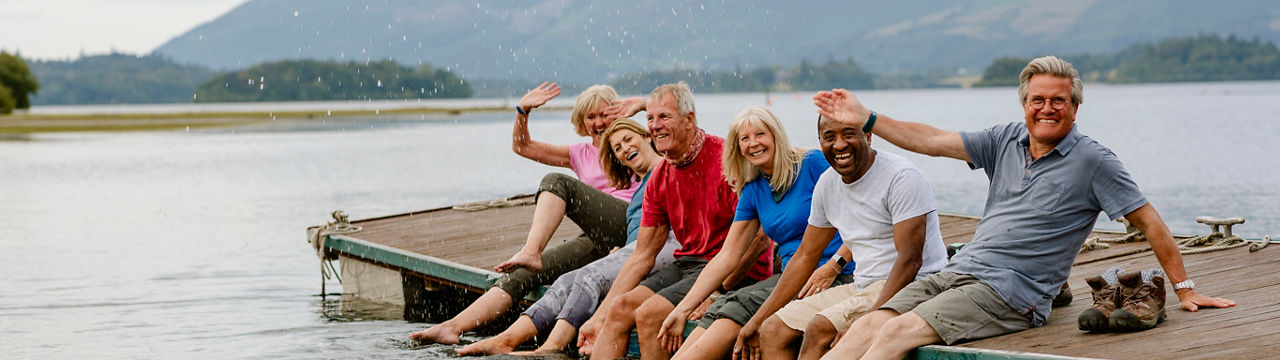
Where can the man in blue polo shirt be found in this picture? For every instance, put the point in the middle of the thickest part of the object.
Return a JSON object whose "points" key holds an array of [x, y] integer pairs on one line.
{"points": [[1048, 183]]}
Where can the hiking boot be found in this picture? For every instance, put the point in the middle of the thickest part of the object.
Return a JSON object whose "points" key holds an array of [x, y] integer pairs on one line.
{"points": [[1064, 296], [1141, 304], [1105, 300]]}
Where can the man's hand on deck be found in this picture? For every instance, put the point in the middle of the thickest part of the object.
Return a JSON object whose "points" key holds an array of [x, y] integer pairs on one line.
{"points": [[1192, 301]]}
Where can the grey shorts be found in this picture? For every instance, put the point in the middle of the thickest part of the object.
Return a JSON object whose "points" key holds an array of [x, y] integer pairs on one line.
{"points": [[958, 307], [674, 281], [740, 305]]}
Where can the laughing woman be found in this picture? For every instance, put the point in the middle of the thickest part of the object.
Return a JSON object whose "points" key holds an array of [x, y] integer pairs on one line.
{"points": [[627, 154], [600, 210], [775, 183]]}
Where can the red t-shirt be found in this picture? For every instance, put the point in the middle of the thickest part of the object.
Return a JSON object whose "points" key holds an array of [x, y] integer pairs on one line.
{"points": [[698, 204]]}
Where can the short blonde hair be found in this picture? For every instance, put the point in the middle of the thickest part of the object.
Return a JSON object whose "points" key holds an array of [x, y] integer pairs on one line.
{"points": [[682, 93], [1051, 65], [786, 158], [620, 175], [587, 100]]}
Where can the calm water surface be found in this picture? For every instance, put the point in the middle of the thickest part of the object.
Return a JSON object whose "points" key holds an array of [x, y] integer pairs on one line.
{"points": [[192, 244]]}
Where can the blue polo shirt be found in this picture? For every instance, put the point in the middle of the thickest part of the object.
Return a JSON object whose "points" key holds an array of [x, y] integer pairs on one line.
{"points": [[1038, 213], [784, 221]]}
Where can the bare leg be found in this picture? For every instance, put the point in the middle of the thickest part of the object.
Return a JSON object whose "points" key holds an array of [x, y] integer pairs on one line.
{"points": [[714, 343], [487, 308], [649, 319], [520, 331], [781, 340], [611, 342], [561, 335], [901, 334], [546, 218], [861, 334], [818, 337]]}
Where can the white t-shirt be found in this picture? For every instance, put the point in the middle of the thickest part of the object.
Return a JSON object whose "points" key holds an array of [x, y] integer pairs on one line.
{"points": [[864, 212]]}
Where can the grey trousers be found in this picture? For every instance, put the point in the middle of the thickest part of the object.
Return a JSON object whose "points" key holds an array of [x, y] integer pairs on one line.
{"points": [[575, 295]]}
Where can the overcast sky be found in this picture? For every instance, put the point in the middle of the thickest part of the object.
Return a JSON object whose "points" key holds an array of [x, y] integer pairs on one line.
{"points": [[59, 29]]}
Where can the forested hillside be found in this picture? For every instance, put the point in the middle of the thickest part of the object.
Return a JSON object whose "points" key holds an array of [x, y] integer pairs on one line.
{"points": [[116, 79]]}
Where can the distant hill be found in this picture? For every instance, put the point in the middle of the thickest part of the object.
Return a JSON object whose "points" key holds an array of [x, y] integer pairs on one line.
{"points": [[592, 42], [310, 80], [115, 79]]}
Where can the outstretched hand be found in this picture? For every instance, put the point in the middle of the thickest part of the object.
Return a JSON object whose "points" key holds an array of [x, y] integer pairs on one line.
{"points": [[671, 334], [840, 105], [587, 336], [1193, 301], [625, 108], [747, 347], [539, 95]]}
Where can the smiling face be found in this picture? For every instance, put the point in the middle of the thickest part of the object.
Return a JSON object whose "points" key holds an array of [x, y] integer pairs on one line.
{"points": [[632, 150], [672, 133], [1046, 125], [756, 144], [846, 148], [595, 122]]}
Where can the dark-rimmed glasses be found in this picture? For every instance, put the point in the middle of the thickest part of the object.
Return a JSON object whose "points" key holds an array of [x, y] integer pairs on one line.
{"points": [[1038, 103]]}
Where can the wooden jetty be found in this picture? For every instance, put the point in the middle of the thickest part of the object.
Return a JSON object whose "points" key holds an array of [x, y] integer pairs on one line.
{"points": [[435, 262]]}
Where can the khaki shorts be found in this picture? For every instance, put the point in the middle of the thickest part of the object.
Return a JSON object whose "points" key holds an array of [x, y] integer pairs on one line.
{"points": [[841, 305], [958, 307]]}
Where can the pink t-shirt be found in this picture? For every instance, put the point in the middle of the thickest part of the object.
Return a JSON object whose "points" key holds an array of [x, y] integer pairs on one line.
{"points": [[698, 204], [584, 159]]}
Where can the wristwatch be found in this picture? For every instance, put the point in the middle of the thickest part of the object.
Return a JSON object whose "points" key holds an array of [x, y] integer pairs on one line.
{"points": [[1187, 284], [839, 260]]}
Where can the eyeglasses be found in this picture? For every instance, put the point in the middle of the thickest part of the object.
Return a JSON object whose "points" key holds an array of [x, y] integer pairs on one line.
{"points": [[1057, 103]]}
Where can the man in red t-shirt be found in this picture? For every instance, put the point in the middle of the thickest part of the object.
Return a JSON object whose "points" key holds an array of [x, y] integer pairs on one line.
{"points": [[687, 194]]}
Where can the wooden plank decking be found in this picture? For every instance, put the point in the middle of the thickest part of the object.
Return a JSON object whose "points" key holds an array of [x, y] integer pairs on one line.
{"points": [[476, 241]]}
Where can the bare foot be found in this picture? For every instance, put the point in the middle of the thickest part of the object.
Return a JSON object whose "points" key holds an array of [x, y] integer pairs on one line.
{"points": [[521, 260], [439, 334], [491, 346]]}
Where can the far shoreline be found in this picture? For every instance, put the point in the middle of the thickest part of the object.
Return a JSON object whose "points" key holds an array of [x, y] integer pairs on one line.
{"points": [[24, 123]]}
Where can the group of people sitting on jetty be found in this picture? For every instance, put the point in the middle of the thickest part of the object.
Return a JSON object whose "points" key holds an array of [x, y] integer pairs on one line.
{"points": [[680, 225]]}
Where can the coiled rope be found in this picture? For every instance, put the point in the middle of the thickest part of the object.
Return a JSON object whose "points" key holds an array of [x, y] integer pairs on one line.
{"points": [[1098, 242], [317, 234]]}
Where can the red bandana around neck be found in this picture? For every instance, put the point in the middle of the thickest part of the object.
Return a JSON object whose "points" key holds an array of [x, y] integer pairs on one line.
{"points": [[694, 148]]}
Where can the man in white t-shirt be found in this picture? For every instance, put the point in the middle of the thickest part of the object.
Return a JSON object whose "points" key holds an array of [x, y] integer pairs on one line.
{"points": [[886, 214]]}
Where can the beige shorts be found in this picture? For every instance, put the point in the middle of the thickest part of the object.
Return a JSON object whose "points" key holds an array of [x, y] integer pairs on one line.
{"points": [[841, 305]]}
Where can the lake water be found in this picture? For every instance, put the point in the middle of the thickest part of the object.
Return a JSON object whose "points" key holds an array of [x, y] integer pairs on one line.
{"points": [[181, 244]]}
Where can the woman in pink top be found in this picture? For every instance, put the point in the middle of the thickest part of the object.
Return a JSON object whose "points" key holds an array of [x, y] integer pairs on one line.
{"points": [[598, 208]]}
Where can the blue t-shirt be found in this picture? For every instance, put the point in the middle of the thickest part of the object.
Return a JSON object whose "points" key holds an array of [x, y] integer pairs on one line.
{"points": [[633, 209], [785, 221], [1038, 213]]}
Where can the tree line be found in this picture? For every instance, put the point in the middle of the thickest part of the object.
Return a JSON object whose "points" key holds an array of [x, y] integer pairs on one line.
{"points": [[1193, 58], [299, 80], [803, 76], [117, 78]]}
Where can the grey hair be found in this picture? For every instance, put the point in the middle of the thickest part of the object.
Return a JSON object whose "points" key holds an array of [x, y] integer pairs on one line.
{"points": [[1051, 65], [682, 93]]}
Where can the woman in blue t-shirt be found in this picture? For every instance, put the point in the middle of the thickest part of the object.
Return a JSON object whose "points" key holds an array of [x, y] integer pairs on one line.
{"points": [[775, 183]]}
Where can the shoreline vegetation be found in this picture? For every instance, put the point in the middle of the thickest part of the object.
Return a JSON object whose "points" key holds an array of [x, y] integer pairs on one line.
{"points": [[106, 122]]}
